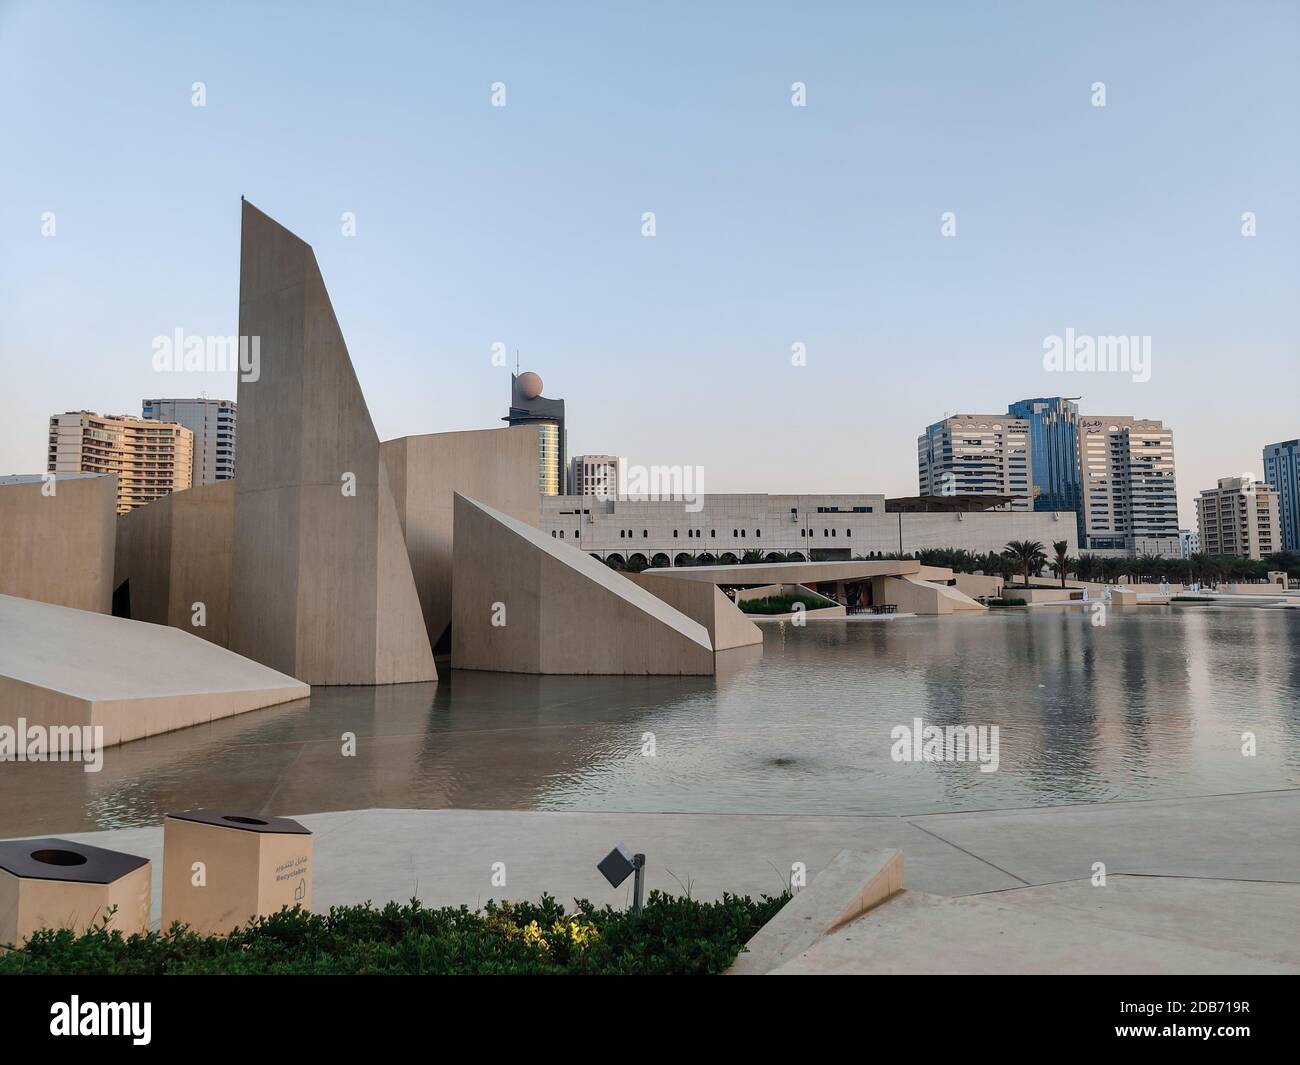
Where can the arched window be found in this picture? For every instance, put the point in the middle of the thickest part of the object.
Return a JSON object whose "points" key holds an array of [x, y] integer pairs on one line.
{"points": [[552, 532], [734, 534], [561, 534], [674, 534]]}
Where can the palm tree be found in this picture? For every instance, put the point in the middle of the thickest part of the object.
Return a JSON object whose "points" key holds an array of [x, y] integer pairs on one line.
{"points": [[1085, 566], [1063, 562], [1028, 553]]}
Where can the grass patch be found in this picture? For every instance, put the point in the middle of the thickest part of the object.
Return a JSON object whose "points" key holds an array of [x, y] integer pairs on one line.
{"points": [[672, 936], [782, 604]]}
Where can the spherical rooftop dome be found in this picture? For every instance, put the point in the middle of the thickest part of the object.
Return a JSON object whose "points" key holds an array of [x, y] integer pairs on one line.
{"points": [[530, 384]]}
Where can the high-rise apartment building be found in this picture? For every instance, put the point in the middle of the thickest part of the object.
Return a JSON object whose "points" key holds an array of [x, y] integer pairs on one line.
{"points": [[212, 421], [529, 407], [1239, 517], [1282, 471], [1053, 453], [1189, 543], [979, 454], [150, 458], [594, 475], [1130, 501]]}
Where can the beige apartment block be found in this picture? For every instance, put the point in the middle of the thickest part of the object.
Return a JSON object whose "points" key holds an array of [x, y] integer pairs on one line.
{"points": [[131, 678], [149, 458], [321, 583], [1239, 517], [977, 454], [1130, 500], [522, 602], [172, 564], [57, 538], [495, 466]]}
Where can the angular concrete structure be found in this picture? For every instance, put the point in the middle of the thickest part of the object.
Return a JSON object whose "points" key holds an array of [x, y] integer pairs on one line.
{"points": [[727, 626], [523, 602], [58, 548], [321, 585], [74, 668], [175, 554], [496, 466]]}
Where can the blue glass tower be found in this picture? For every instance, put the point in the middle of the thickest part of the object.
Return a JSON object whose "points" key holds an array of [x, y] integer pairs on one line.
{"points": [[1054, 453]]}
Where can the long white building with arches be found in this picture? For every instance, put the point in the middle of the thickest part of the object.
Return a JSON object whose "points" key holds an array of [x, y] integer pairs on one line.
{"points": [[722, 528]]}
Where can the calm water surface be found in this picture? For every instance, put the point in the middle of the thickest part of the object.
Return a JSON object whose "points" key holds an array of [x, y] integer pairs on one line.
{"points": [[1153, 705]]}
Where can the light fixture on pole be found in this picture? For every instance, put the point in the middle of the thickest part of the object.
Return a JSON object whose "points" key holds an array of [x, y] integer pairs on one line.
{"points": [[618, 864]]}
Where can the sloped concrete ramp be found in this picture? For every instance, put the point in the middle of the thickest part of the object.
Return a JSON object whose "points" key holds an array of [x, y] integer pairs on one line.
{"points": [[525, 603], [1132, 925], [60, 666]]}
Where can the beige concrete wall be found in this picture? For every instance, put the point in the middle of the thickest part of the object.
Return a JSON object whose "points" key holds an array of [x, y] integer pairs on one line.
{"points": [[978, 585], [321, 585], [728, 627], [563, 611], [910, 596], [495, 466], [176, 552], [59, 548]]}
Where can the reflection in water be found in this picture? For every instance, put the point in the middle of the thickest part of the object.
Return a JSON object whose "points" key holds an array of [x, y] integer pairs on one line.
{"points": [[1151, 705]]}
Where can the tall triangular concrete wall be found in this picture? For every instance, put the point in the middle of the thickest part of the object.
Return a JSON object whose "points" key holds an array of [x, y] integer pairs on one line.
{"points": [[321, 586], [525, 603]]}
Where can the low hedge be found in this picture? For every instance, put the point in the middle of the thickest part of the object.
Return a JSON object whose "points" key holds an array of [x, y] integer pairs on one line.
{"points": [[671, 936], [1006, 602], [782, 604]]}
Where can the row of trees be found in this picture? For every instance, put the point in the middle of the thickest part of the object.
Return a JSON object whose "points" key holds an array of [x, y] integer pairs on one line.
{"points": [[1023, 558]]}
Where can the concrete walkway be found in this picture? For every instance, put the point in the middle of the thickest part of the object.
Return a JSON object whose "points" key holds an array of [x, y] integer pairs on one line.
{"points": [[1131, 925], [1229, 869]]}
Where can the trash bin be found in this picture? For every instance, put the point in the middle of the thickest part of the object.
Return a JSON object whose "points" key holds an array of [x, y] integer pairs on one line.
{"points": [[56, 883], [222, 869]]}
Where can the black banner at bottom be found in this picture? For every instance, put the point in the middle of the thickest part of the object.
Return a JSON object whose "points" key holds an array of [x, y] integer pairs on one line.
{"points": [[331, 1014]]}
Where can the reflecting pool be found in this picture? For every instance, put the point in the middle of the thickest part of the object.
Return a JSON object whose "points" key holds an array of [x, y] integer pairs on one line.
{"points": [[1155, 704]]}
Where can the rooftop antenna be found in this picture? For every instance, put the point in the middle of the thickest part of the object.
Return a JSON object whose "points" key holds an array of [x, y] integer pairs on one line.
{"points": [[516, 362]]}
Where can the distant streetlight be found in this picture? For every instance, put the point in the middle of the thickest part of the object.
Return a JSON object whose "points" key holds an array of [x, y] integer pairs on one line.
{"points": [[618, 865]]}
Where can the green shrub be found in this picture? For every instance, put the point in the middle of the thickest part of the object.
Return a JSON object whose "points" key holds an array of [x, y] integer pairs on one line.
{"points": [[671, 936], [1006, 602], [782, 604], [1191, 599]]}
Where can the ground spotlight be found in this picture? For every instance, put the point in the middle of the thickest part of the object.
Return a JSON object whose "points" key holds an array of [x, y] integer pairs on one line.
{"points": [[618, 864]]}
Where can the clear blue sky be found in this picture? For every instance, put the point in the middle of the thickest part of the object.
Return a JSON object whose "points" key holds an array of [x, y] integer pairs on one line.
{"points": [[775, 224]]}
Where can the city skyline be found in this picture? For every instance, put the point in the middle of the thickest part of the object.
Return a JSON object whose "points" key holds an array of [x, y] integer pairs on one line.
{"points": [[776, 225]]}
